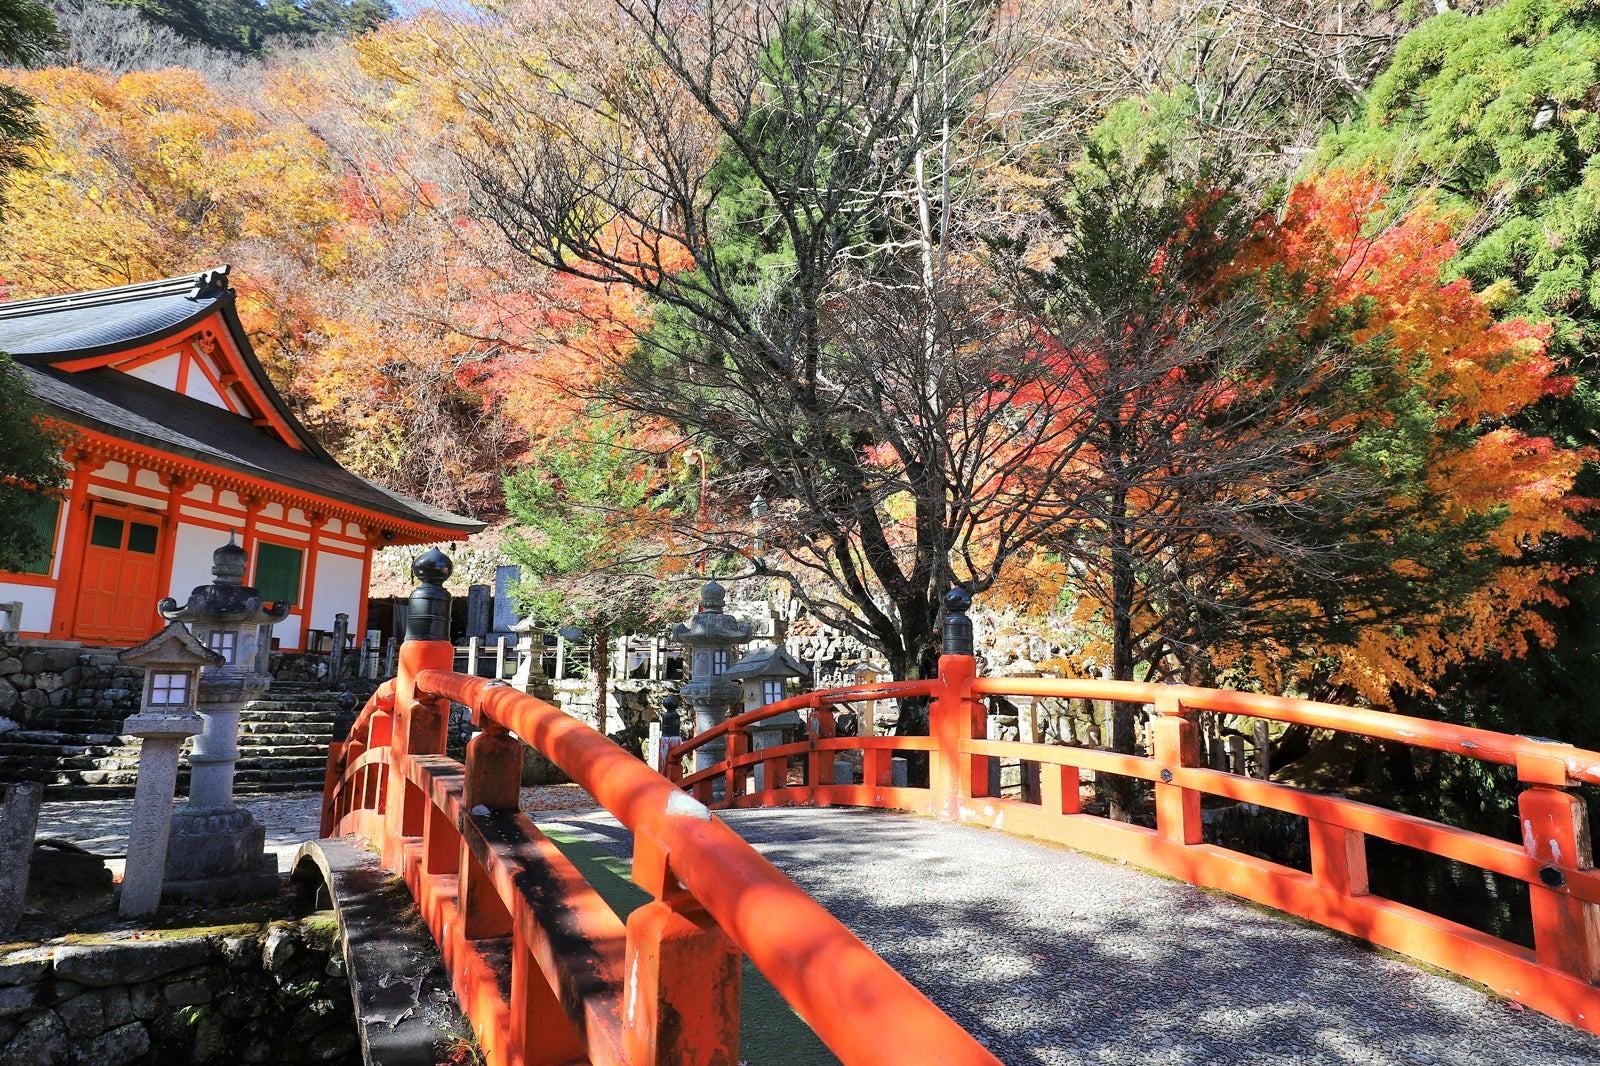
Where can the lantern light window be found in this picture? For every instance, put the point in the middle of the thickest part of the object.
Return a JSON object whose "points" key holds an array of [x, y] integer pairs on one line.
{"points": [[169, 689], [225, 643]]}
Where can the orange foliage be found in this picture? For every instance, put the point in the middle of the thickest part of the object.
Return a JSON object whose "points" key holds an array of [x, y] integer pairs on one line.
{"points": [[1477, 374]]}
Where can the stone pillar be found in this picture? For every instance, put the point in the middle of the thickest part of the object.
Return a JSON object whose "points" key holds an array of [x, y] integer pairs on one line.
{"points": [[160, 737], [19, 820], [341, 633], [477, 611], [505, 606]]}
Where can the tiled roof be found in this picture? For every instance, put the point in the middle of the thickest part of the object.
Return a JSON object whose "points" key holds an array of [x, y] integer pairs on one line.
{"points": [[46, 332]]}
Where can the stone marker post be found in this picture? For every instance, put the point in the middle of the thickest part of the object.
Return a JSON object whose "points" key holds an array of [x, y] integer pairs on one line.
{"points": [[341, 633], [218, 850], [172, 660], [505, 603], [19, 820], [478, 611]]}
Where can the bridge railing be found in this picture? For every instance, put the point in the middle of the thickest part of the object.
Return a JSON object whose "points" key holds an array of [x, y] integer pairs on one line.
{"points": [[1554, 857], [545, 970]]}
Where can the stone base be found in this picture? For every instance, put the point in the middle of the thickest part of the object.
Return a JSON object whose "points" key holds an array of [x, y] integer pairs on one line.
{"points": [[259, 883], [213, 843]]}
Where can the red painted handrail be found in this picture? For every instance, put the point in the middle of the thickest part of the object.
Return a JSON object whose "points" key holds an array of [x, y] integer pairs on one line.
{"points": [[1554, 858], [665, 989]]}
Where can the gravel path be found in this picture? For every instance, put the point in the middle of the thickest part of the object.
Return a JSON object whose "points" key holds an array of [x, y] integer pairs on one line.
{"points": [[1052, 957]]}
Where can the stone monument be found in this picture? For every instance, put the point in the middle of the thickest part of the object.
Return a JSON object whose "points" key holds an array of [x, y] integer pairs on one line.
{"points": [[710, 639], [217, 849]]}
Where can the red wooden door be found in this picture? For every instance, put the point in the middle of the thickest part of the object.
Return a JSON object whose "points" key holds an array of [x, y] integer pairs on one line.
{"points": [[117, 596]]}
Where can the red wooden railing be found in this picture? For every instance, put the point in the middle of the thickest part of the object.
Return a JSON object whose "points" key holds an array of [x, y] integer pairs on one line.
{"points": [[1555, 858], [544, 969]]}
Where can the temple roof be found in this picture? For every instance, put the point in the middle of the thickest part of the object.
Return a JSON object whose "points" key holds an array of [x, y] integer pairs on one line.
{"points": [[43, 334]]}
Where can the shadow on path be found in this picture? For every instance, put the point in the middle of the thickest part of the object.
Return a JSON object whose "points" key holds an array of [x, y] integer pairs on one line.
{"points": [[1052, 957]]}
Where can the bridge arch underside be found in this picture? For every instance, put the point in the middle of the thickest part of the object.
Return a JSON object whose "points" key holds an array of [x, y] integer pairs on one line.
{"points": [[1049, 955]]}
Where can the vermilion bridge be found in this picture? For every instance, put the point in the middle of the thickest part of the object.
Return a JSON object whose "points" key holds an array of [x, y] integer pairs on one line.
{"points": [[549, 974]]}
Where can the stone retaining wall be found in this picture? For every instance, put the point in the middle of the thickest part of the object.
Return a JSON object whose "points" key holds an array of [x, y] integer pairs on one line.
{"points": [[38, 683], [245, 995]]}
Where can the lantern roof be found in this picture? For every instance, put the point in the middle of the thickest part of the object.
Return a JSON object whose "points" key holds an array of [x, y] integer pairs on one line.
{"points": [[226, 599], [711, 625], [763, 663], [173, 647]]}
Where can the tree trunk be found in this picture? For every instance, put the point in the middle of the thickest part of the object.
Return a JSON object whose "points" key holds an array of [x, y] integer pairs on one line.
{"points": [[600, 667], [1124, 796]]}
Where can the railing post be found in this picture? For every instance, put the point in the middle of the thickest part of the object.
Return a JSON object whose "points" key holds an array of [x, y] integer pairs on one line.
{"points": [[955, 716], [681, 997], [1555, 831], [420, 722], [820, 726], [1177, 745], [492, 782], [734, 780]]}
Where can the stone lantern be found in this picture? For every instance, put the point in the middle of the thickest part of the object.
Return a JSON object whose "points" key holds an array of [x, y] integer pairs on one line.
{"points": [[712, 639], [763, 674], [172, 660], [217, 848]]}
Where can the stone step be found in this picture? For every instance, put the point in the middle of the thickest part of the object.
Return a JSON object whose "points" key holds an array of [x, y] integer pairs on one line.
{"points": [[9, 750], [284, 751], [252, 761], [283, 745], [319, 704], [289, 717], [78, 723], [51, 736], [269, 729]]}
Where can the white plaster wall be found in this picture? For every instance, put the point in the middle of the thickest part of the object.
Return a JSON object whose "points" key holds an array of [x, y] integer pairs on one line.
{"points": [[199, 387], [191, 558], [338, 590], [149, 503], [38, 604], [163, 372], [148, 479]]}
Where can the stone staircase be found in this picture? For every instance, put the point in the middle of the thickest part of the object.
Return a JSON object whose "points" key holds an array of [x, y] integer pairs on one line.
{"points": [[79, 754]]}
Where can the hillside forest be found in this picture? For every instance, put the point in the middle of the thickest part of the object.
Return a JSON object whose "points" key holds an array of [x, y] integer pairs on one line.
{"points": [[1236, 342]]}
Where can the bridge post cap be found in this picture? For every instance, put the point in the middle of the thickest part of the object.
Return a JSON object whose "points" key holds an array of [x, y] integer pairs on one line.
{"points": [[433, 567], [957, 626], [429, 614]]}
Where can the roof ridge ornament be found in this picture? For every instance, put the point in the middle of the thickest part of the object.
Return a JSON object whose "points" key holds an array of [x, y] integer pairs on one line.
{"points": [[210, 282]]}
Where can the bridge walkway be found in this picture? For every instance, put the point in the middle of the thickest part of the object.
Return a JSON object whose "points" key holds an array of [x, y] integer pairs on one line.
{"points": [[1050, 956]]}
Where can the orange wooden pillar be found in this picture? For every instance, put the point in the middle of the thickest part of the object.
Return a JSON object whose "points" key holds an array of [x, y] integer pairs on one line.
{"points": [[681, 997], [1177, 746], [954, 716], [420, 722], [1555, 831]]}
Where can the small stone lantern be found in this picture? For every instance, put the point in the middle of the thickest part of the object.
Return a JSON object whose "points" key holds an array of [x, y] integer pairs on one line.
{"points": [[763, 674], [218, 850], [712, 639], [172, 660]]}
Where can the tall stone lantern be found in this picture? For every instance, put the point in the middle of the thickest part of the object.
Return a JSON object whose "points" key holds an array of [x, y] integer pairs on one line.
{"points": [[712, 639], [217, 849]]}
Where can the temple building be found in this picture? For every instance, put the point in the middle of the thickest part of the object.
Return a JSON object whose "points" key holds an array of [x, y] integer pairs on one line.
{"points": [[178, 440]]}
